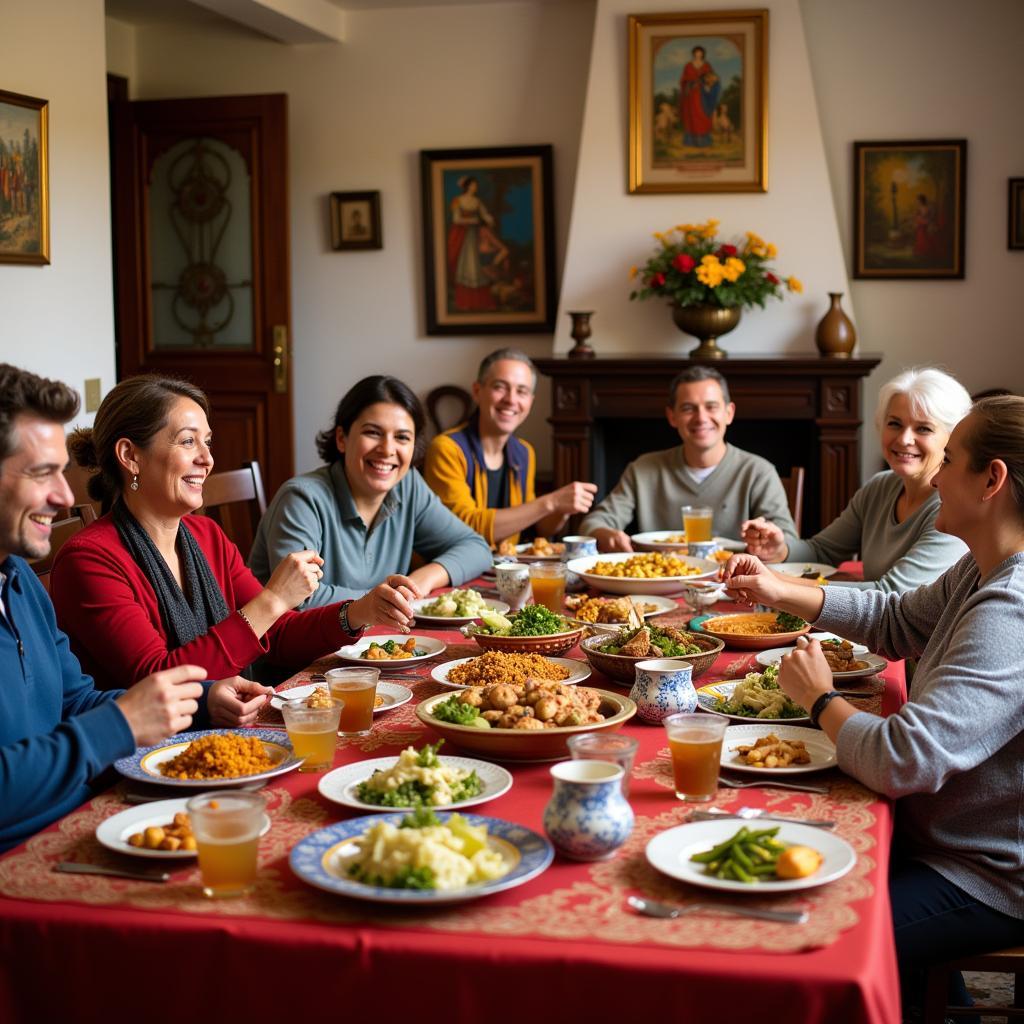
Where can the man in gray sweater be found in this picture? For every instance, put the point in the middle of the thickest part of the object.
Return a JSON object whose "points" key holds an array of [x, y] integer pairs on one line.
{"points": [[736, 485]]}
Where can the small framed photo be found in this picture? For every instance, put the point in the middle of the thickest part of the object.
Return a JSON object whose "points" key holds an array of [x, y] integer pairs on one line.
{"points": [[1015, 217], [355, 220], [488, 240], [909, 204], [24, 180], [697, 102]]}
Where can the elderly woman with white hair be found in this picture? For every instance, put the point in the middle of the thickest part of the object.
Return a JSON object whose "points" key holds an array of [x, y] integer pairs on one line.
{"points": [[890, 521]]}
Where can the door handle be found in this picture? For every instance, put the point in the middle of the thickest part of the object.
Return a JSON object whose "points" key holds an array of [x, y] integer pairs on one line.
{"points": [[281, 359]]}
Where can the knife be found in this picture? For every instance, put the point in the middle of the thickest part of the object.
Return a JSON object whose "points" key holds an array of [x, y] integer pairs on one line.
{"points": [[75, 868]]}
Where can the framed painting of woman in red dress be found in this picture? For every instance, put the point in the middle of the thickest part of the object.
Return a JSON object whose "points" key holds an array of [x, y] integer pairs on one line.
{"points": [[697, 102]]}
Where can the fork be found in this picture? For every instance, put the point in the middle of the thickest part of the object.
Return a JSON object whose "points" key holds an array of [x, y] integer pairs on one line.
{"points": [[730, 783], [652, 908], [749, 813]]}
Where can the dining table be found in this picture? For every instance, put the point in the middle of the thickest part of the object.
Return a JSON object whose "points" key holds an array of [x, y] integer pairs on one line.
{"points": [[565, 945]]}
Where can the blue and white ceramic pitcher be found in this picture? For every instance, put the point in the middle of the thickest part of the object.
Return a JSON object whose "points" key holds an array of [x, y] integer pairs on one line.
{"points": [[663, 687], [587, 817]]}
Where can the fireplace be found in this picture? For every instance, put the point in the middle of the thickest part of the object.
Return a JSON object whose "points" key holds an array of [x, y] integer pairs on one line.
{"points": [[793, 410]]}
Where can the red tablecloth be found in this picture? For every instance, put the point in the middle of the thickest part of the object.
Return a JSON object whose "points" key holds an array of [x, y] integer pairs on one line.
{"points": [[559, 948]]}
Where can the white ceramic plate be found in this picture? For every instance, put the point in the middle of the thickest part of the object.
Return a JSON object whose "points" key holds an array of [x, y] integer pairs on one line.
{"points": [[728, 544], [522, 556], [872, 662], [320, 860], [114, 832], [819, 746], [662, 605], [352, 653], [800, 568], [340, 785], [661, 585], [657, 540], [578, 671], [706, 701], [394, 695], [453, 620], [670, 853]]}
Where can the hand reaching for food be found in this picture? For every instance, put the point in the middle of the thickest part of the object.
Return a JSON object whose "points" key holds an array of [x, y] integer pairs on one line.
{"points": [[609, 541], [388, 604], [764, 539]]}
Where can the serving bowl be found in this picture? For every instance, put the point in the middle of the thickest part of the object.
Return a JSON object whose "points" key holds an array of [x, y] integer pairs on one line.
{"points": [[525, 744], [622, 667], [749, 641], [707, 568], [550, 645]]}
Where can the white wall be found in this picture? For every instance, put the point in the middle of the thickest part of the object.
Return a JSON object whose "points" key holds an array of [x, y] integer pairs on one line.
{"points": [[405, 80], [58, 319]]}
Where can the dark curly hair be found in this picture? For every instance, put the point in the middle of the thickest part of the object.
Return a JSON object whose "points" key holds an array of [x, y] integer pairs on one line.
{"points": [[23, 393]]}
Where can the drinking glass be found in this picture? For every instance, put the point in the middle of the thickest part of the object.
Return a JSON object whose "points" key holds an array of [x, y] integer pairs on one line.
{"points": [[697, 521], [356, 688], [313, 732], [696, 744], [513, 583], [227, 826], [548, 582], [600, 746]]}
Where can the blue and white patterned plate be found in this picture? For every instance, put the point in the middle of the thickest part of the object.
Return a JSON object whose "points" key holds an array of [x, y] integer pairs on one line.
{"points": [[144, 764], [319, 859], [708, 697]]}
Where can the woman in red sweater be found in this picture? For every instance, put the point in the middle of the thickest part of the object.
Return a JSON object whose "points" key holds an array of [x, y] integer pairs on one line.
{"points": [[148, 586]]}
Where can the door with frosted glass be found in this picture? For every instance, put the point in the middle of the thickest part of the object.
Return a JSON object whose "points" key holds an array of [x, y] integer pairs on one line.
{"points": [[202, 275]]}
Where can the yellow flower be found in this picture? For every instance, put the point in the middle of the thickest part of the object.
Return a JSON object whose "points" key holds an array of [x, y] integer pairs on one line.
{"points": [[710, 273], [770, 251], [684, 228], [692, 239], [633, 271], [733, 268], [709, 229], [794, 285]]}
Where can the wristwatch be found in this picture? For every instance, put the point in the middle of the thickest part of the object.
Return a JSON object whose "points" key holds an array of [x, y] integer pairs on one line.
{"points": [[346, 627], [823, 701]]}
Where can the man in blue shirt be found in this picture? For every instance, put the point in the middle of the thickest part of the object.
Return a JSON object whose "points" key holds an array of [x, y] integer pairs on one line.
{"points": [[57, 732]]}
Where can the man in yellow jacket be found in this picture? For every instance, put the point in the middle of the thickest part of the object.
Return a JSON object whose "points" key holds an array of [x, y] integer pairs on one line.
{"points": [[485, 474]]}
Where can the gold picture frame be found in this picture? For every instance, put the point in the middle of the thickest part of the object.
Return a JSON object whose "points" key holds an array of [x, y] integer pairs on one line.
{"points": [[24, 179], [698, 120]]}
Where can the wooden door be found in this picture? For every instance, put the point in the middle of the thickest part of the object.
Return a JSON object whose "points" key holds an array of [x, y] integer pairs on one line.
{"points": [[202, 281]]}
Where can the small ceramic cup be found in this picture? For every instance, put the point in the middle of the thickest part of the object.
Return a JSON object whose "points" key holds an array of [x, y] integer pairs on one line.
{"points": [[579, 547], [701, 548], [587, 817], [513, 582], [663, 687]]}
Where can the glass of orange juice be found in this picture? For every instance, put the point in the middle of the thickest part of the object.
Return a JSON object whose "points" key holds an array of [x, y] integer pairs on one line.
{"points": [[697, 520], [313, 732], [696, 744], [227, 827], [356, 688], [548, 582]]}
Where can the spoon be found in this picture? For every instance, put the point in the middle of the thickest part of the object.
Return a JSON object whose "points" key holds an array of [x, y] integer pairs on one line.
{"points": [[748, 813], [652, 908]]}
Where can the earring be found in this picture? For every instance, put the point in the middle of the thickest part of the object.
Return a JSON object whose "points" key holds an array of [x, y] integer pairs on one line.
{"points": [[135, 482]]}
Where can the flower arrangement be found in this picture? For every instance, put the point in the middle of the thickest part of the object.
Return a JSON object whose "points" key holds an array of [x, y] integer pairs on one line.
{"points": [[693, 268]]}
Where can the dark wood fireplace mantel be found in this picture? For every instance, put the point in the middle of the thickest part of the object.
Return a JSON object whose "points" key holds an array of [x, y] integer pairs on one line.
{"points": [[792, 409]]}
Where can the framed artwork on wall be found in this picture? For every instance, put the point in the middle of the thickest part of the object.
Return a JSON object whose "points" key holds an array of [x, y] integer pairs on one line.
{"points": [[24, 180], [355, 220], [1015, 215], [488, 240], [698, 102], [909, 203]]}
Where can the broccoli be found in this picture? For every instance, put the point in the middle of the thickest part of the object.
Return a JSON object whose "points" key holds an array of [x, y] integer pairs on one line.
{"points": [[455, 711]]}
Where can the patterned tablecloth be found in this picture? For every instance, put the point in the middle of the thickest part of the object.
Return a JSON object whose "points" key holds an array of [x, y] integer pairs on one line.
{"points": [[568, 931]]}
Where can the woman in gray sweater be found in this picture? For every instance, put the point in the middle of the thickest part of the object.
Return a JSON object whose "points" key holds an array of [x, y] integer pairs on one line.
{"points": [[954, 754], [890, 521]]}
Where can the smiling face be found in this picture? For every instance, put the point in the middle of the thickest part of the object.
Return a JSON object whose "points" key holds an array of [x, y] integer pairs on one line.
{"points": [[700, 415], [912, 446], [378, 450], [173, 466], [32, 487], [505, 397]]}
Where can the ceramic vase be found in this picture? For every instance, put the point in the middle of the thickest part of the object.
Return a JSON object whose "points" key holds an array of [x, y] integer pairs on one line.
{"points": [[587, 817], [706, 323], [579, 334], [835, 336], [663, 687]]}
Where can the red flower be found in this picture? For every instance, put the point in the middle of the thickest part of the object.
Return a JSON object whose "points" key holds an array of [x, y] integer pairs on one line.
{"points": [[657, 280], [771, 278], [684, 262], [727, 250]]}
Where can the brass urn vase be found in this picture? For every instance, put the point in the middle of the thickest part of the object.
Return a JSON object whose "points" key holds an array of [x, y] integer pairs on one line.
{"points": [[706, 324]]}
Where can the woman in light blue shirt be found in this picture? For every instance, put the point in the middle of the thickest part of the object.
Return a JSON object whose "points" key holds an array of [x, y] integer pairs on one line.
{"points": [[367, 510]]}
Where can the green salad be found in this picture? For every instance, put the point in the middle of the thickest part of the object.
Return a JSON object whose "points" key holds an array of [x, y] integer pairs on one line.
{"points": [[668, 643], [758, 696], [419, 779], [457, 604], [457, 712], [533, 620]]}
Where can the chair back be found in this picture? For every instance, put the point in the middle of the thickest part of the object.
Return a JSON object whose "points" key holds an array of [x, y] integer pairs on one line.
{"points": [[236, 501], [793, 485], [78, 481], [454, 398], [1003, 961], [76, 519]]}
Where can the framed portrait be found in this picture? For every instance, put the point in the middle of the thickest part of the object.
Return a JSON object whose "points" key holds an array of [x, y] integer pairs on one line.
{"points": [[355, 220], [24, 180], [698, 102], [1015, 215], [488, 240], [909, 202]]}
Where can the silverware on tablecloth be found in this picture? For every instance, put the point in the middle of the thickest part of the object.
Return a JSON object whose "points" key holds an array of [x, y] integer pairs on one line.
{"points": [[139, 875], [652, 908], [750, 813], [803, 787], [148, 796], [856, 694]]}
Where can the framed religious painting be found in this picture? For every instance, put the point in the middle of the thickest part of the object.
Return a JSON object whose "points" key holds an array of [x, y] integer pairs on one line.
{"points": [[488, 240], [355, 220], [698, 102], [24, 180], [1015, 215], [909, 203]]}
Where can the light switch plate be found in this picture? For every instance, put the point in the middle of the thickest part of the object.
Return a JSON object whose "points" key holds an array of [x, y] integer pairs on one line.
{"points": [[92, 394]]}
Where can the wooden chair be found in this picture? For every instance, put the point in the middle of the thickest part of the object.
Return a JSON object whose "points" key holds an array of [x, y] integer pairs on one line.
{"points": [[1003, 961], [77, 519], [794, 488], [456, 397], [78, 480], [236, 501]]}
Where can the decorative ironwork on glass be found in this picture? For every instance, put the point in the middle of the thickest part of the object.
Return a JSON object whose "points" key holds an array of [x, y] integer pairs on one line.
{"points": [[201, 252]]}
